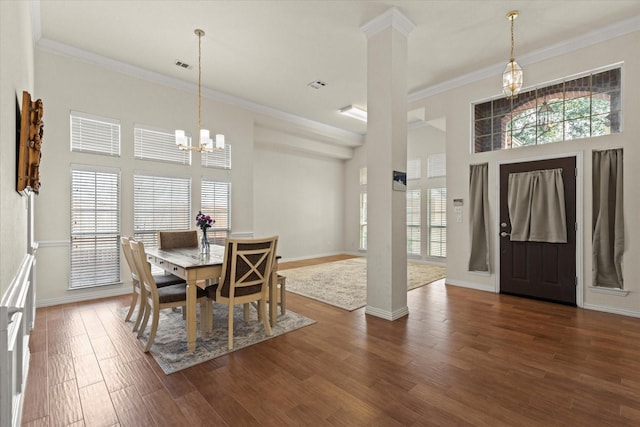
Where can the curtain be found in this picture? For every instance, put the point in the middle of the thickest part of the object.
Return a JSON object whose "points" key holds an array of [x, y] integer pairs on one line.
{"points": [[537, 207], [479, 217], [608, 227]]}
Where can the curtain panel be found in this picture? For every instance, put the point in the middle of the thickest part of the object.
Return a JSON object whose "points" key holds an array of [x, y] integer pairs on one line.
{"points": [[608, 221], [537, 206], [479, 217]]}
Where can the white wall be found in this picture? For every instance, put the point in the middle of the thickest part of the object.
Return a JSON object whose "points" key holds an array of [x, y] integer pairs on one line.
{"points": [[455, 106], [17, 71], [299, 198], [262, 186]]}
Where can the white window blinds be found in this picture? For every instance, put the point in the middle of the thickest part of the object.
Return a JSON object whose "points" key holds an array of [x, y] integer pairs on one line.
{"points": [[95, 228], [413, 221], [438, 222], [436, 165], [160, 203], [216, 202], [413, 169], [363, 176], [218, 159], [158, 144], [93, 134]]}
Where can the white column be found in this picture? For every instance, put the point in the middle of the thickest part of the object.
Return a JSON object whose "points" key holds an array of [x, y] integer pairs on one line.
{"points": [[386, 152]]}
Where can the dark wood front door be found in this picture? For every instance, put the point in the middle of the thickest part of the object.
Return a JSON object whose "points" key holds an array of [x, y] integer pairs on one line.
{"points": [[537, 269]]}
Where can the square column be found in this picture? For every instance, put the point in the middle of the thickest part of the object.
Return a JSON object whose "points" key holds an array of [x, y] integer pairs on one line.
{"points": [[386, 154]]}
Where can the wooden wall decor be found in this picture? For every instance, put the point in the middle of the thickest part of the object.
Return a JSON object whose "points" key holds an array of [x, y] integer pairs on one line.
{"points": [[30, 143]]}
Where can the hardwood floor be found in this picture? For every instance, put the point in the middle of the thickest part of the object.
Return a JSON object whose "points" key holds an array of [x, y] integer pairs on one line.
{"points": [[461, 357]]}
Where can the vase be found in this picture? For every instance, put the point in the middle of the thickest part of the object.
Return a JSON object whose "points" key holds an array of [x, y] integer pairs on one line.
{"points": [[204, 243]]}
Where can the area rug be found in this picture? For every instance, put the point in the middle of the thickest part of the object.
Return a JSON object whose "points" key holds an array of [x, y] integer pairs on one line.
{"points": [[169, 349], [344, 283]]}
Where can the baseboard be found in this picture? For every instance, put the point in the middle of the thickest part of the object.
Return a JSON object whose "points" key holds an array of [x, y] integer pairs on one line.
{"points": [[612, 310], [387, 315], [313, 256], [82, 297], [470, 285]]}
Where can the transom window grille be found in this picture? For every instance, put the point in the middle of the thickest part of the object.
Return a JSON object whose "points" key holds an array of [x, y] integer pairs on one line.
{"points": [[95, 227], [160, 203], [413, 221], [218, 159], [158, 145], [94, 134], [584, 107], [437, 222], [216, 202]]}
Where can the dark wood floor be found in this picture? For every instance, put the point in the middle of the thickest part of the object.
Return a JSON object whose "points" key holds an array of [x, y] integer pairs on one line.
{"points": [[461, 357]]}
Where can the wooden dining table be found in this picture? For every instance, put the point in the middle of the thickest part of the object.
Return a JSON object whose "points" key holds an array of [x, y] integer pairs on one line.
{"points": [[197, 270]]}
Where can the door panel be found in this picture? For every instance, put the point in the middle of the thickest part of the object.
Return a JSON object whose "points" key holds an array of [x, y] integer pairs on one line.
{"points": [[537, 269]]}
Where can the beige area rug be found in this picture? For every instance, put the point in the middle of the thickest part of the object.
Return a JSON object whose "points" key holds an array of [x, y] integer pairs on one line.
{"points": [[344, 283]]}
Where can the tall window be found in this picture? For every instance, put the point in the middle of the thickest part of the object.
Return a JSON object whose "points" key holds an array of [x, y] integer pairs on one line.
{"points": [[158, 144], [437, 222], [95, 227], [216, 202], [413, 221], [160, 203], [94, 134], [587, 106]]}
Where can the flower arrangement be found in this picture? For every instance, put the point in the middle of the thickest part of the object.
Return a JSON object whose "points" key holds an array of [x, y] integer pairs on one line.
{"points": [[204, 221]]}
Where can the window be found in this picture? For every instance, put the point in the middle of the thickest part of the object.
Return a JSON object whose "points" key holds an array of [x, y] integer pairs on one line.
{"points": [[437, 222], [216, 202], [95, 227], [583, 107], [413, 169], [93, 134], [218, 159], [160, 203], [436, 165], [413, 221], [158, 144], [363, 221]]}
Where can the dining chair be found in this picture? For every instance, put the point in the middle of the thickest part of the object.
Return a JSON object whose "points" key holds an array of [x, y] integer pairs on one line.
{"points": [[177, 239], [138, 295], [246, 271], [158, 298]]}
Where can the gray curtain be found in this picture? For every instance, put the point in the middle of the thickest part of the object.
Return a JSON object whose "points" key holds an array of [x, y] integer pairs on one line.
{"points": [[479, 217], [608, 227], [537, 206]]}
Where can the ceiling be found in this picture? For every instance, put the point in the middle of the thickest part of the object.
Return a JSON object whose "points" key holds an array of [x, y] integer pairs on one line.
{"points": [[265, 53]]}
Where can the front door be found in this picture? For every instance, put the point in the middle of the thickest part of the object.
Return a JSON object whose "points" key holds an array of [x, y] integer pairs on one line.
{"points": [[537, 269]]}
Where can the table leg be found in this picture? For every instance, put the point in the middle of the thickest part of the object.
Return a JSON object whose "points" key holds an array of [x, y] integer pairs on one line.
{"points": [[191, 316]]}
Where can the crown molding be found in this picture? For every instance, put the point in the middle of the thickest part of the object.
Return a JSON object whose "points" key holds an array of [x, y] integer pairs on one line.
{"points": [[51, 46], [597, 36], [391, 18]]}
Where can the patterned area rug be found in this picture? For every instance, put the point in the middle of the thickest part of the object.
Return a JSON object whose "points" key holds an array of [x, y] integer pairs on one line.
{"points": [[344, 283], [170, 346]]}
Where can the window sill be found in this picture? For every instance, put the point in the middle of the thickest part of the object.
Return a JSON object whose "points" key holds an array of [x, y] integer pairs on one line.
{"points": [[609, 291]]}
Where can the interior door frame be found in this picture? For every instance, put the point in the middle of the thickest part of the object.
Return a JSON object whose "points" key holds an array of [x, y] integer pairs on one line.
{"points": [[579, 217]]}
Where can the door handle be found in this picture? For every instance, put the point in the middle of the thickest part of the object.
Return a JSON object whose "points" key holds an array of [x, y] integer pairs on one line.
{"points": [[504, 234]]}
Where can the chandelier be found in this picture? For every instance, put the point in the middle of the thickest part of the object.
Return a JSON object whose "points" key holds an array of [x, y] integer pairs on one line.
{"points": [[206, 144], [512, 75]]}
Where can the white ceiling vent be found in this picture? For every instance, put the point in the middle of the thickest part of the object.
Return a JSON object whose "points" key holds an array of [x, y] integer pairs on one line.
{"points": [[182, 64], [317, 84]]}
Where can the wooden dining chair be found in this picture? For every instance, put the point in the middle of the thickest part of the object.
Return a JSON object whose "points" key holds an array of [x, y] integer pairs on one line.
{"points": [[246, 270], [138, 296], [177, 239], [158, 298]]}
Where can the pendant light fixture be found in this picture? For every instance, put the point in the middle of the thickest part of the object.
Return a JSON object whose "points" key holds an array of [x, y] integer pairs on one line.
{"points": [[512, 75], [206, 144]]}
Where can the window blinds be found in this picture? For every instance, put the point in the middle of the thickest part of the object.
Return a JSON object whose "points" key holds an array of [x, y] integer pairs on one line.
{"points": [[93, 134], [438, 222], [95, 228], [216, 202], [158, 144], [218, 159], [413, 221]]}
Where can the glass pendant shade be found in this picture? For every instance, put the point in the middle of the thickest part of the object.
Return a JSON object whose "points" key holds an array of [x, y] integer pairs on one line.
{"points": [[512, 79]]}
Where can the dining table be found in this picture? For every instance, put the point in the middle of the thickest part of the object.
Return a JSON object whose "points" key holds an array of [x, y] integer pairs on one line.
{"points": [[198, 270]]}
